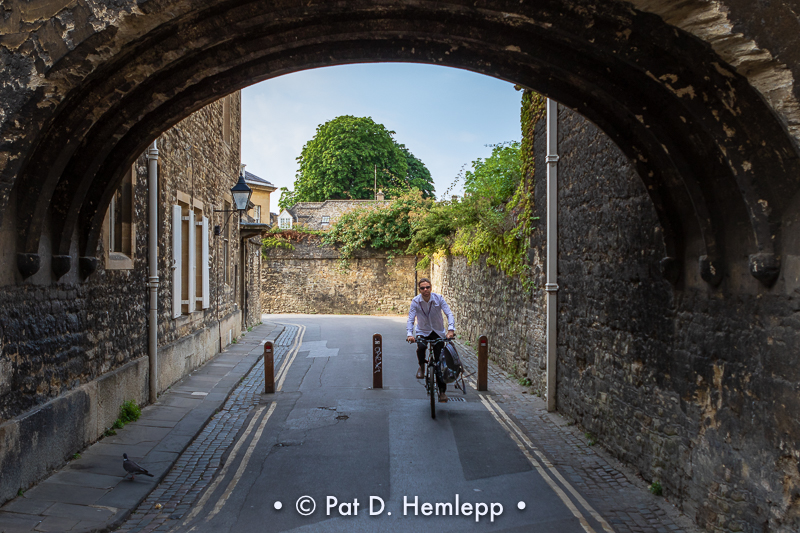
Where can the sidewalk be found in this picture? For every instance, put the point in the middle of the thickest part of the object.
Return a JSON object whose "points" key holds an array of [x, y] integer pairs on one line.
{"points": [[615, 490], [91, 494]]}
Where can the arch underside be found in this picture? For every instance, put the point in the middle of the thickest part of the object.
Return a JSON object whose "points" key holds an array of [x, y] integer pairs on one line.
{"points": [[718, 165]]}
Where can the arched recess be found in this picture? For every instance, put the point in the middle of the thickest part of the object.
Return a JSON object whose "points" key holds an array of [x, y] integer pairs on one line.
{"points": [[709, 149]]}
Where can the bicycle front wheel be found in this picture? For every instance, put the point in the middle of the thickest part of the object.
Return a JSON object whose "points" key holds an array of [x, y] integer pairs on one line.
{"points": [[432, 388]]}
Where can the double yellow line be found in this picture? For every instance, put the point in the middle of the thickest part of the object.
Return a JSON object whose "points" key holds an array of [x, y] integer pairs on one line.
{"points": [[296, 344], [545, 468], [198, 508], [232, 459]]}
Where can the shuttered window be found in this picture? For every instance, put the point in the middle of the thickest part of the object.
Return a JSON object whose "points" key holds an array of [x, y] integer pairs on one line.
{"points": [[190, 261], [177, 266]]}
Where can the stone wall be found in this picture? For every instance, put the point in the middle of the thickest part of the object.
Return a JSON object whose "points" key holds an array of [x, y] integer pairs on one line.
{"points": [[693, 385], [309, 279], [73, 350], [486, 302]]}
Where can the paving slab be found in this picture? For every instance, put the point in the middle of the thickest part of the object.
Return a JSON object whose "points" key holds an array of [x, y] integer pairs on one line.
{"points": [[86, 479], [87, 513], [92, 493], [19, 523], [61, 492], [57, 523]]}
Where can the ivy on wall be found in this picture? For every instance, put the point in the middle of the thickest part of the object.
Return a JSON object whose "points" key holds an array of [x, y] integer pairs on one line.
{"points": [[494, 218]]}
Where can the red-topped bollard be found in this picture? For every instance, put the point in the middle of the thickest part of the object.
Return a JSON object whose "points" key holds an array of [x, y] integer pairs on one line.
{"points": [[483, 363], [269, 368], [377, 361]]}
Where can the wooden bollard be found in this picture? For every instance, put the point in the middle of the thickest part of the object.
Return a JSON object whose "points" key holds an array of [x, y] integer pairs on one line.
{"points": [[377, 361], [269, 368], [483, 363]]}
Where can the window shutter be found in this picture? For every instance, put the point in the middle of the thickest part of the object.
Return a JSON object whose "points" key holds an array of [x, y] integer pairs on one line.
{"points": [[204, 264], [191, 271], [176, 260]]}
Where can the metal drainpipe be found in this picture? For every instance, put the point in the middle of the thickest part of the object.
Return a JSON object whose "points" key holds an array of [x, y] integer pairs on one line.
{"points": [[152, 238], [552, 250]]}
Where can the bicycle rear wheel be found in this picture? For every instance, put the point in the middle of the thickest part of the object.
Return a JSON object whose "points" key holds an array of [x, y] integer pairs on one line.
{"points": [[431, 377]]}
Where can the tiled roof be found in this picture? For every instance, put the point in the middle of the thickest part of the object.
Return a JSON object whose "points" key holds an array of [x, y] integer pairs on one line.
{"points": [[252, 178]]}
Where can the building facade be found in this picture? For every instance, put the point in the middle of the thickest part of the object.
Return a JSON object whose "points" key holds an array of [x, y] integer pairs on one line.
{"points": [[261, 194], [75, 347], [322, 215]]}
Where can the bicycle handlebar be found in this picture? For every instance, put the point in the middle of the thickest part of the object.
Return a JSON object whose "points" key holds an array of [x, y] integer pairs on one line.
{"points": [[431, 341]]}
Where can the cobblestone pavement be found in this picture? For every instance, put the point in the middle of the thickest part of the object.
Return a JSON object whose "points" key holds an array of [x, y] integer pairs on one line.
{"points": [[610, 487], [198, 464]]}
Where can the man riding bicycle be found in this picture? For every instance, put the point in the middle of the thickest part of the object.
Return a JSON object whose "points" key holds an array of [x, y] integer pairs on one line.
{"points": [[427, 307]]}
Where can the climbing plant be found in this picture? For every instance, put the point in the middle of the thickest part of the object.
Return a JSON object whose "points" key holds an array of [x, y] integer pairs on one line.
{"points": [[494, 219], [387, 227]]}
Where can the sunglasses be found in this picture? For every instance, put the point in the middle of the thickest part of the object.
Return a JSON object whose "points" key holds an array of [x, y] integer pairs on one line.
{"points": [[425, 288]]}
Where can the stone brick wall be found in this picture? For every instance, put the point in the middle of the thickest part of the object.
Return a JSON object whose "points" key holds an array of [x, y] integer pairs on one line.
{"points": [[309, 279], [694, 386], [486, 302], [72, 350]]}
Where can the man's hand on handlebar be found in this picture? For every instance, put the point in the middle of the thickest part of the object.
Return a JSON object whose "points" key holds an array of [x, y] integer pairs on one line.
{"points": [[451, 334], [410, 339]]}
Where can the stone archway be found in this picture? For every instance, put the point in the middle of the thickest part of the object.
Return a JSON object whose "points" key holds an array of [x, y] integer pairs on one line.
{"points": [[91, 85]]}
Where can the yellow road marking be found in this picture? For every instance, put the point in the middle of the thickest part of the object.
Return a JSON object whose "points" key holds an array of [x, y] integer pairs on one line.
{"points": [[539, 468], [298, 342], [229, 462], [242, 465], [552, 468]]}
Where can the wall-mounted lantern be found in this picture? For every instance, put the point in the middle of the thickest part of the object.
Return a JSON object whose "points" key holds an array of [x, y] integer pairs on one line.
{"points": [[241, 197]]}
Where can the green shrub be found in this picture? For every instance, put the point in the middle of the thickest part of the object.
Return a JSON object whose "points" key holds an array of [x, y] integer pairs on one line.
{"points": [[656, 489], [129, 412]]}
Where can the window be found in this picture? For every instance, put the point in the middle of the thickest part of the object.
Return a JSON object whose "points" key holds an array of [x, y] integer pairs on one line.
{"points": [[119, 230], [258, 214], [326, 220], [190, 266], [285, 222]]}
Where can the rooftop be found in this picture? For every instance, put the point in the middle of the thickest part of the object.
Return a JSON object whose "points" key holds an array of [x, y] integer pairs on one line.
{"points": [[252, 178]]}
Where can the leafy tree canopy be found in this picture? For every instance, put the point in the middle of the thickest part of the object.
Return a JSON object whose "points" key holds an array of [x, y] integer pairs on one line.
{"points": [[419, 177], [343, 158], [497, 176]]}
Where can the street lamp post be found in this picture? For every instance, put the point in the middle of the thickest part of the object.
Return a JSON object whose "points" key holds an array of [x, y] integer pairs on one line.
{"points": [[241, 197]]}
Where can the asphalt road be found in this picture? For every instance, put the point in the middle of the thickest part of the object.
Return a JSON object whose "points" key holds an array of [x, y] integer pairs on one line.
{"points": [[327, 435]]}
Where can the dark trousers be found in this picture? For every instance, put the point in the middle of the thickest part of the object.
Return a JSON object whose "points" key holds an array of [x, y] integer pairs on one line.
{"points": [[437, 351]]}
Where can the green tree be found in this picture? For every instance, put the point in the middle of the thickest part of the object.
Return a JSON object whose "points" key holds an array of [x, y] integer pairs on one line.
{"points": [[287, 199], [419, 177], [497, 176], [342, 159]]}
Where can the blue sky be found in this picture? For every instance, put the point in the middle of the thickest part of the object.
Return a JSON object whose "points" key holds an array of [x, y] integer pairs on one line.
{"points": [[445, 116]]}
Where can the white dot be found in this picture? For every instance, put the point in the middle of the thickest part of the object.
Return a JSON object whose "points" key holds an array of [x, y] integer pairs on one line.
{"points": [[278, 506], [389, 513], [521, 506]]}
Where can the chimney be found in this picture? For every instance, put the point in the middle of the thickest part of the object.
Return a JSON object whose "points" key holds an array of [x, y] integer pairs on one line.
{"points": [[379, 196]]}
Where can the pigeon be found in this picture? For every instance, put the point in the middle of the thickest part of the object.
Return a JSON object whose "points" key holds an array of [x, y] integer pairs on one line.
{"points": [[132, 468]]}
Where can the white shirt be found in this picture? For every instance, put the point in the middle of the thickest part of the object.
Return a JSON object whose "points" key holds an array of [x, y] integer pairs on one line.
{"points": [[429, 316]]}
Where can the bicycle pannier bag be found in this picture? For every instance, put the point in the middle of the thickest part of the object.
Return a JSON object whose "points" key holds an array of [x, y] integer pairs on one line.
{"points": [[450, 363]]}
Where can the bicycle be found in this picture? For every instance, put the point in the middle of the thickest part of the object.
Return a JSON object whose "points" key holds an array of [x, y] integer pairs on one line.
{"points": [[431, 383]]}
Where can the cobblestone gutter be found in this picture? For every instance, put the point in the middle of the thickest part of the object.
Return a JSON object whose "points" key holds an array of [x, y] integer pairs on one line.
{"points": [[201, 461], [614, 490]]}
